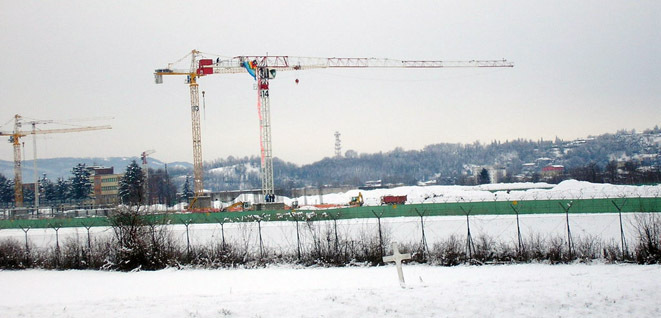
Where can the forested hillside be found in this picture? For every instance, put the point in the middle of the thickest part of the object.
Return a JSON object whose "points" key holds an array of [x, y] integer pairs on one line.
{"points": [[520, 160], [623, 157]]}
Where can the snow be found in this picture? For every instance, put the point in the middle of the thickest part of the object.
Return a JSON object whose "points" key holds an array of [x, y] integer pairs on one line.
{"points": [[531, 290], [281, 236], [528, 290], [569, 189], [231, 170]]}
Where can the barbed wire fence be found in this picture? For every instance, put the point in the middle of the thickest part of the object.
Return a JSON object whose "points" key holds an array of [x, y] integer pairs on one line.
{"points": [[266, 237]]}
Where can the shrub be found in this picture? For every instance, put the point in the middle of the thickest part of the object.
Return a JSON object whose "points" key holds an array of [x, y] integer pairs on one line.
{"points": [[648, 248]]}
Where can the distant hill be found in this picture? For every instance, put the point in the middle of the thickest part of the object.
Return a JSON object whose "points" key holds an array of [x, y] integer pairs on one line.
{"points": [[443, 163], [61, 167]]}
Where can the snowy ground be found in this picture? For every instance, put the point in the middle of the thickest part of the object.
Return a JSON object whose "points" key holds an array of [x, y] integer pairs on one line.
{"points": [[465, 291], [281, 236]]}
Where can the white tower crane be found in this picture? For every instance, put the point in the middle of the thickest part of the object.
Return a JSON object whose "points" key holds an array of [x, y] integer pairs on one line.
{"points": [[263, 69]]}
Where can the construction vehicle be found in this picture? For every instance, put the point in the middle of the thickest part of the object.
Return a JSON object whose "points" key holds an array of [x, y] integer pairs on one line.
{"points": [[14, 138], [236, 207], [263, 69], [393, 199], [357, 200]]}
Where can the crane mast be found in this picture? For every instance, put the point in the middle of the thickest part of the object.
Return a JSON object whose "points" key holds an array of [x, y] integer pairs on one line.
{"points": [[264, 109], [18, 182], [263, 69]]}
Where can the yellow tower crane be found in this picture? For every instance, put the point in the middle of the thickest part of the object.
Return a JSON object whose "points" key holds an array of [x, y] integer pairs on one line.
{"points": [[14, 138]]}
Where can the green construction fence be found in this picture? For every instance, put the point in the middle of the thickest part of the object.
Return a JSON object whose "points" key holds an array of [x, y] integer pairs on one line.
{"points": [[572, 206]]}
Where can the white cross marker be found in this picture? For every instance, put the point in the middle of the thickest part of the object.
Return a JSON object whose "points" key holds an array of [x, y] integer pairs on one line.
{"points": [[397, 258]]}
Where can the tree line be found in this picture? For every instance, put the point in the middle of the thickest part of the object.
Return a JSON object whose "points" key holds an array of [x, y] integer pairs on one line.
{"points": [[133, 188], [623, 157]]}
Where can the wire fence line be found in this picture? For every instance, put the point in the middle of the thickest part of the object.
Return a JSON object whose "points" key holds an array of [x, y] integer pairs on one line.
{"points": [[475, 226], [287, 236]]}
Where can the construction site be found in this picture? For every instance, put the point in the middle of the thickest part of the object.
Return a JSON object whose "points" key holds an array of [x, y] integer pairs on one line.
{"points": [[262, 69]]}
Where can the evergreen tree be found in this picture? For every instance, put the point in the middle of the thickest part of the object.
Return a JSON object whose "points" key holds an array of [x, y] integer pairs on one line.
{"points": [[6, 190], [28, 195], [80, 184], [484, 176], [131, 185], [61, 190], [48, 190], [187, 193]]}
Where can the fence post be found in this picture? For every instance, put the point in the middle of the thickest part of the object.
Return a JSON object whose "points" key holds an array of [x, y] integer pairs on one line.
{"points": [[425, 248], [514, 206], [261, 243], [469, 239], [569, 238], [187, 223], [378, 218], [222, 232], [57, 243], [337, 240], [298, 237], [89, 243], [625, 252], [27, 247]]}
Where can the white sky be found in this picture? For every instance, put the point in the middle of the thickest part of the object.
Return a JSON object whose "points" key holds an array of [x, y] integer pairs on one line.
{"points": [[581, 68]]}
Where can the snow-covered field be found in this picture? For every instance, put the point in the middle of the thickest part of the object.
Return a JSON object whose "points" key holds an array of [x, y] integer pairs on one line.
{"points": [[532, 290], [281, 236]]}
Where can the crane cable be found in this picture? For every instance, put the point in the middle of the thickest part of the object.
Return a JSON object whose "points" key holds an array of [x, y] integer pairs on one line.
{"points": [[5, 124]]}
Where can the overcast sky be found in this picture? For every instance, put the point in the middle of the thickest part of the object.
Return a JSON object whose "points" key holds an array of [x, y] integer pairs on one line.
{"points": [[581, 68]]}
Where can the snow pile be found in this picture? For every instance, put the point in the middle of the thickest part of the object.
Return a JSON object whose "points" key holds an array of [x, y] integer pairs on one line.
{"points": [[464, 291], [570, 189]]}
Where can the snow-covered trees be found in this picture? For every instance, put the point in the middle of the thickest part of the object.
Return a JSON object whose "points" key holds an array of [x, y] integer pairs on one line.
{"points": [[6, 190], [80, 183], [186, 191], [47, 189], [131, 185], [61, 190]]}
